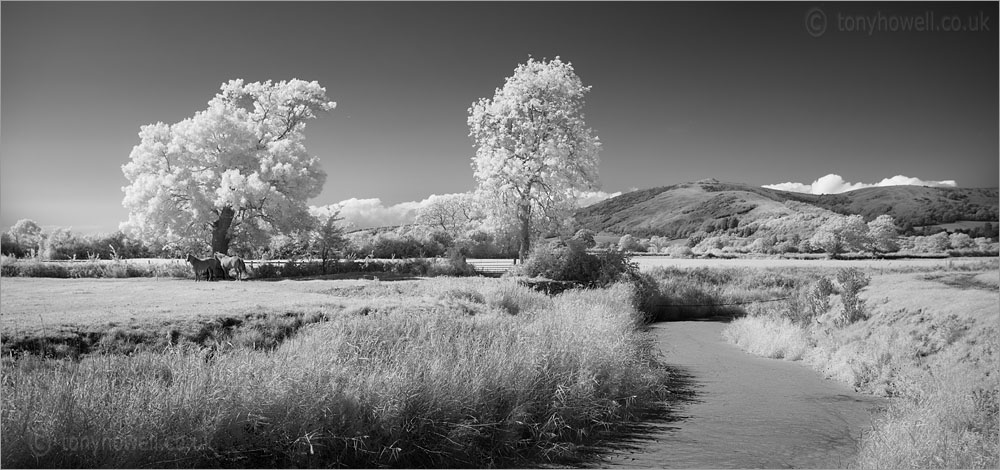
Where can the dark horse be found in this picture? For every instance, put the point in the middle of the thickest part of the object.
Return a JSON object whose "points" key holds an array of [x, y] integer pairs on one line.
{"points": [[209, 266], [233, 262]]}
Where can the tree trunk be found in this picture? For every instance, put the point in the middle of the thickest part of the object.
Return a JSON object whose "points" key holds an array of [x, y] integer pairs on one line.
{"points": [[220, 231], [524, 214]]}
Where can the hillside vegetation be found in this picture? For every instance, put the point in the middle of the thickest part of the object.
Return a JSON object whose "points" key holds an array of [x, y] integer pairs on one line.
{"points": [[680, 210]]}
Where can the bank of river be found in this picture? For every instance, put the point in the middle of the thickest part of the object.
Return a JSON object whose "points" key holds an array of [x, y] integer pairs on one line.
{"points": [[746, 411]]}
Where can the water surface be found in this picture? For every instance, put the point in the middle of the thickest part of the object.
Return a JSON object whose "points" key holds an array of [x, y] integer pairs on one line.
{"points": [[746, 411]]}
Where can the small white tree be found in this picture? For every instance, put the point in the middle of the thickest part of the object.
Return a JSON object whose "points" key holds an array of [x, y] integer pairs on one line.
{"points": [[58, 240], [937, 243], [237, 169], [533, 150], [960, 241], [27, 235], [983, 244], [628, 242], [841, 234], [883, 236], [328, 237]]}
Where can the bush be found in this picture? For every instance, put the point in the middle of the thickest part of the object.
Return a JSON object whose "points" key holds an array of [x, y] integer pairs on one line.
{"points": [[453, 265], [937, 243], [786, 246], [585, 236], [561, 262], [851, 281], [34, 268], [681, 251], [629, 243]]}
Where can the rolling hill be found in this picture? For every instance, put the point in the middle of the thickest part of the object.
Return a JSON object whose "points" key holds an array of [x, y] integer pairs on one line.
{"points": [[679, 210]]}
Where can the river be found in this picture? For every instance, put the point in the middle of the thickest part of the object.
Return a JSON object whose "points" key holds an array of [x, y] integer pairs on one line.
{"points": [[746, 411]]}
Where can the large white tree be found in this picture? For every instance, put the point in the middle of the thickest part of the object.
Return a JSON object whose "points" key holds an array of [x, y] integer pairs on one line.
{"points": [[883, 236], [841, 234], [451, 213], [237, 170], [534, 151]]}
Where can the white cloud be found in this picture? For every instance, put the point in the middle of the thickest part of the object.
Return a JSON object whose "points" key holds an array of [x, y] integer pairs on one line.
{"points": [[835, 184], [588, 198], [369, 213]]}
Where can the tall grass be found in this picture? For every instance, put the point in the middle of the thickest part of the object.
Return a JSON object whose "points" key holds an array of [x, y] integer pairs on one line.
{"points": [[459, 382], [945, 419], [119, 268], [773, 337], [12, 267], [706, 292], [932, 348]]}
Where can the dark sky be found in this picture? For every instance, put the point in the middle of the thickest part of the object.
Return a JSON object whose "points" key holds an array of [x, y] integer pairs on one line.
{"points": [[681, 91]]}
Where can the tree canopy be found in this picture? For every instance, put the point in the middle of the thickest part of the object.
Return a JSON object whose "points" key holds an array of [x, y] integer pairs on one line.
{"points": [[26, 235], [841, 234], [534, 151], [238, 169], [450, 213]]}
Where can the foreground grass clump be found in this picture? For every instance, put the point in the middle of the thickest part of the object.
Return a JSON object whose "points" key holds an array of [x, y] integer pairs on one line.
{"points": [[944, 419], [455, 379], [927, 341]]}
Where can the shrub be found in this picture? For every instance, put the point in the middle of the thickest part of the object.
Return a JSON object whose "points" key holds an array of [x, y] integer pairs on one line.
{"points": [[786, 246], [960, 241], [851, 281], [695, 238], [453, 265], [937, 243], [35, 268], [681, 251], [585, 236], [561, 262], [629, 243]]}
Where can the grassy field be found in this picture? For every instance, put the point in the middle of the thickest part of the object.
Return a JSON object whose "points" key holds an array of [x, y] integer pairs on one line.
{"points": [[651, 262], [442, 372], [928, 338], [468, 372], [72, 314]]}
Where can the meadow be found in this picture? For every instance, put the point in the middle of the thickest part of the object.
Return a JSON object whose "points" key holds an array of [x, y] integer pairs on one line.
{"points": [[474, 372], [441, 372]]}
